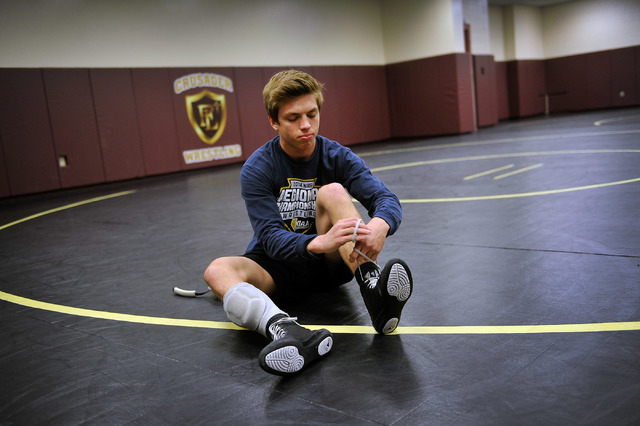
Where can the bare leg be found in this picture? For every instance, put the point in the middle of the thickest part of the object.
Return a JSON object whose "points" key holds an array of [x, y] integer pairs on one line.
{"points": [[384, 291], [332, 204], [243, 286], [225, 272]]}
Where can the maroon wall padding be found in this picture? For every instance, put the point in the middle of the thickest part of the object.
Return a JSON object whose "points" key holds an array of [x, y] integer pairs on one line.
{"points": [[188, 138], [117, 123], [637, 73], [373, 101], [593, 80], [502, 90], [466, 119], [623, 88], [527, 87], [254, 124], [514, 89], [355, 108], [400, 93], [5, 191], [73, 119], [486, 94], [356, 103], [598, 79], [430, 96], [566, 83], [331, 124], [343, 107], [27, 143], [158, 136]]}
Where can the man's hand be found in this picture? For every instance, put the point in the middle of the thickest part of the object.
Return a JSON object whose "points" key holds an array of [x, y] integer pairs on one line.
{"points": [[371, 244], [340, 234]]}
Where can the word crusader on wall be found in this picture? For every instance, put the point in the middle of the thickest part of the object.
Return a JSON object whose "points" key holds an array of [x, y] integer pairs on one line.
{"points": [[208, 126]]}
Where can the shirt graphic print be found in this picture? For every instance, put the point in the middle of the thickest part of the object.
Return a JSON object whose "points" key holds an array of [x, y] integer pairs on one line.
{"points": [[297, 204]]}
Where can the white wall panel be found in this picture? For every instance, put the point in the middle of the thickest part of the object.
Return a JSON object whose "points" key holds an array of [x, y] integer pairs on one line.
{"points": [[185, 33], [496, 33], [589, 26], [154, 33], [416, 29], [476, 14]]}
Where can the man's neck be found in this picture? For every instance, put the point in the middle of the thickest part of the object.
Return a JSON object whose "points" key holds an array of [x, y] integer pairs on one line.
{"points": [[299, 154]]}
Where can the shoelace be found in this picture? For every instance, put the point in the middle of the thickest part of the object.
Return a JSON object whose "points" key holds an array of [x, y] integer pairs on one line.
{"points": [[278, 332], [355, 233]]}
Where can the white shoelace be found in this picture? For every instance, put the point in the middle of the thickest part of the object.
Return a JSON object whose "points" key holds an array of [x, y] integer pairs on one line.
{"points": [[355, 233], [278, 332]]}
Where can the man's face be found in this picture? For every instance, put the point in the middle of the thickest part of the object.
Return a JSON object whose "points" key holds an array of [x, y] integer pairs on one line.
{"points": [[299, 120]]}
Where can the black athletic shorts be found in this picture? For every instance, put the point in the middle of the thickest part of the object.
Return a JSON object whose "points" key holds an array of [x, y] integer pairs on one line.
{"points": [[303, 276]]}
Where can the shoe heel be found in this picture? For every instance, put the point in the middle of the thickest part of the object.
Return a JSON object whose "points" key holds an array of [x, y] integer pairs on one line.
{"points": [[390, 326], [325, 346]]}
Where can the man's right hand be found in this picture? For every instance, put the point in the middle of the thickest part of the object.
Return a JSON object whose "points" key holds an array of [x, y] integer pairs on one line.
{"points": [[339, 234]]}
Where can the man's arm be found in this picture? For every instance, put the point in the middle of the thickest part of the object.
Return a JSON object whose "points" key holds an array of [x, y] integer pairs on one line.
{"points": [[382, 205], [370, 191], [265, 218]]}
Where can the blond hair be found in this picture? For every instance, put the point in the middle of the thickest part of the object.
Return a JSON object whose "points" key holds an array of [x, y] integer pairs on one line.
{"points": [[287, 85]]}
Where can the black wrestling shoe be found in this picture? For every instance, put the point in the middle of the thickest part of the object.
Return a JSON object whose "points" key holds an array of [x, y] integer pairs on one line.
{"points": [[294, 347], [385, 293]]}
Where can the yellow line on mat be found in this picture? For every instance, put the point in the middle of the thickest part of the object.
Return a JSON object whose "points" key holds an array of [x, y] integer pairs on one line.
{"points": [[90, 313], [518, 195], [497, 141], [339, 329], [505, 155], [488, 172], [515, 172], [68, 206]]}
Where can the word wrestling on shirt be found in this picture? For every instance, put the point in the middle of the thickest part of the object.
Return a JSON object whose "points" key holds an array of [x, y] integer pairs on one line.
{"points": [[297, 204]]}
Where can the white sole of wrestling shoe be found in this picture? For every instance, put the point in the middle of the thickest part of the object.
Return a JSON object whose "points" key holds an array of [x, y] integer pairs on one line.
{"points": [[397, 288], [289, 356]]}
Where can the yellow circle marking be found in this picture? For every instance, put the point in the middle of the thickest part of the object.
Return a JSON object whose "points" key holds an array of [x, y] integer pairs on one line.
{"points": [[67, 207], [553, 137], [350, 329], [509, 155]]}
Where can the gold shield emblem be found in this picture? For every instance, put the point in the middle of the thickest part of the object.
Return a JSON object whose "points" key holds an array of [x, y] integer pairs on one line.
{"points": [[207, 113]]}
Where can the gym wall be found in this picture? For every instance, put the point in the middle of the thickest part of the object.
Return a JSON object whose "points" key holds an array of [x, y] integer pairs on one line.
{"points": [[571, 56], [88, 90], [66, 127]]}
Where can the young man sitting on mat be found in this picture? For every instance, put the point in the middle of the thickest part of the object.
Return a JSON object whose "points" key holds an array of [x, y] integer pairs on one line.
{"points": [[308, 233]]}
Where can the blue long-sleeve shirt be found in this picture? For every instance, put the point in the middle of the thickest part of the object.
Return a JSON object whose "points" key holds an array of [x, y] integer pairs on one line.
{"points": [[280, 195]]}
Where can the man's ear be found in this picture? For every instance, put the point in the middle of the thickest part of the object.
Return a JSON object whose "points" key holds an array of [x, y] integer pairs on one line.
{"points": [[273, 124]]}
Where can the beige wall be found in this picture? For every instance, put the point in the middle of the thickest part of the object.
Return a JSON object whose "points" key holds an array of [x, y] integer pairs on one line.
{"points": [[522, 32], [590, 25], [476, 14], [414, 29], [564, 29], [152, 33], [172, 33]]}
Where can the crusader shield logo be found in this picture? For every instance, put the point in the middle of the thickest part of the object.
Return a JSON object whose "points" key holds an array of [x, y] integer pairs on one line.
{"points": [[207, 113]]}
